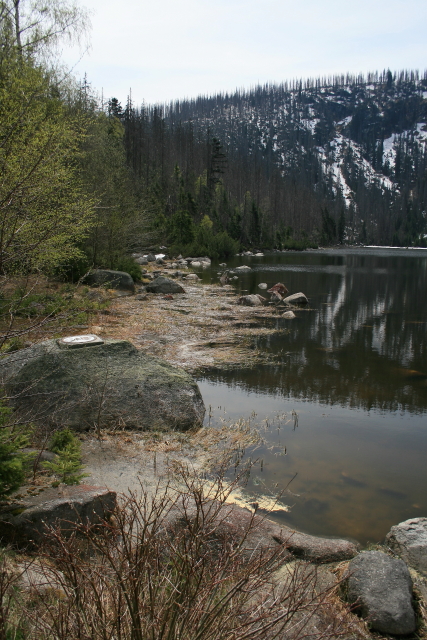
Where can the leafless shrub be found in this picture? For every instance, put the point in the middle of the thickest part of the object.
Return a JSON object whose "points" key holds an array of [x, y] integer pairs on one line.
{"points": [[169, 568]]}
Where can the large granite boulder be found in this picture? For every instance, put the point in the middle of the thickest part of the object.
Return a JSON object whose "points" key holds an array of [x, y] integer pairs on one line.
{"points": [[102, 383], [409, 540], [63, 508], [109, 279], [381, 589], [164, 285]]}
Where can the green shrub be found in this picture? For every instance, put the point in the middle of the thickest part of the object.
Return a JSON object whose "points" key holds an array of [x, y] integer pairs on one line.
{"points": [[68, 462], [128, 265], [12, 461]]}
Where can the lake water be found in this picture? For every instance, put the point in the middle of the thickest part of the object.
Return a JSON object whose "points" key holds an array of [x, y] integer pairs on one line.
{"points": [[344, 405]]}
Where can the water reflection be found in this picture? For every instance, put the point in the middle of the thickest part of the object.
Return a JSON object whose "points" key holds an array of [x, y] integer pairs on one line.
{"points": [[363, 341], [354, 368]]}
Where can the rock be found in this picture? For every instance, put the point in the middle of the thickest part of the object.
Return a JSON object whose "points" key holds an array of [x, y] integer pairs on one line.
{"points": [[38, 456], [109, 279], [112, 380], [313, 548], [409, 540], [196, 264], [254, 300], [247, 253], [223, 279], [164, 285], [267, 534], [297, 299], [275, 297], [381, 588], [259, 255], [65, 508], [192, 276], [141, 296], [222, 264], [243, 268], [279, 288], [160, 261], [151, 257], [37, 576], [289, 315], [97, 296], [141, 261], [262, 285]]}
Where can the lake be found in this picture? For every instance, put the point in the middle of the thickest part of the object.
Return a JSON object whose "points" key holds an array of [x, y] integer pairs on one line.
{"points": [[343, 407]]}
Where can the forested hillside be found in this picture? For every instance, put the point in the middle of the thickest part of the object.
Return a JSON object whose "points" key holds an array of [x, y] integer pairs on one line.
{"points": [[326, 160]]}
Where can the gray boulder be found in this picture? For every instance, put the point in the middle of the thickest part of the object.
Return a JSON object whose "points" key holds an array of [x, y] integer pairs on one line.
{"points": [[151, 257], [409, 540], [109, 279], [107, 383], [289, 315], [164, 285], [275, 297], [296, 298], [243, 268], [381, 589], [56, 507], [253, 300], [141, 261], [262, 285]]}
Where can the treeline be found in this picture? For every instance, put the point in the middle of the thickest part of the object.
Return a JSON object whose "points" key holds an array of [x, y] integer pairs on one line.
{"points": [[282, 163]]}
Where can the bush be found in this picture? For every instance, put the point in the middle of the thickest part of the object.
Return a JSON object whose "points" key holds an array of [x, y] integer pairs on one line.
{"points": [[128, 265], [173, 566], [68, 463], [12, 461]]}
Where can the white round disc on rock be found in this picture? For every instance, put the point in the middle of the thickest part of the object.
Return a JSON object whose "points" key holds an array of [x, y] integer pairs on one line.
{"points": [[80, 341]]}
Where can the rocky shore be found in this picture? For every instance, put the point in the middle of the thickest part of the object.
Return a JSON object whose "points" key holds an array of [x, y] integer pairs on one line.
{"points": [[194, 327]]}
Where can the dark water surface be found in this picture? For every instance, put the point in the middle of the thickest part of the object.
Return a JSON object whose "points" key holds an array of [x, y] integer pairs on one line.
{"points": [[347, 396]]}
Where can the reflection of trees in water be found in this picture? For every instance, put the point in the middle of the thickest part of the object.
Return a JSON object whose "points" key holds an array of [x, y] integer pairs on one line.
{"points": [[364, 345]]}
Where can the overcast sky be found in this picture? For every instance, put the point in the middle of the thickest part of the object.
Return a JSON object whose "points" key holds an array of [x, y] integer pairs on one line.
{"points": [[176, 49]]}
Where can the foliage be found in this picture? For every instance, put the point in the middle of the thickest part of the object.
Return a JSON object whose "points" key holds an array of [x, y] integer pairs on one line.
{"points": [[44, 210], [68, 463], [12, 461]]}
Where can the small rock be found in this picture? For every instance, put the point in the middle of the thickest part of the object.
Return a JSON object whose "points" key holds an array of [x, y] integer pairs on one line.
{"points": [[297, 299], [259, 255], [381, 588], [141, 296], [141, 261], [262, 285], [289, 315], [151, 257], [279, 288], [222, 264], [168, 297], [196, 264], [244, 267], [254, 300], [275, 297], [96, 296], [192, 276], [409, 540]]}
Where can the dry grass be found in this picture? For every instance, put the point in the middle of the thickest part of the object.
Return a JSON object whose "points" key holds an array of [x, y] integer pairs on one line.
{"points": [[168, 567]]}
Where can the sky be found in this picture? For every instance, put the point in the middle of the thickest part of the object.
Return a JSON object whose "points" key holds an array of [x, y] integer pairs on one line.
{"points": [[170, 50]]}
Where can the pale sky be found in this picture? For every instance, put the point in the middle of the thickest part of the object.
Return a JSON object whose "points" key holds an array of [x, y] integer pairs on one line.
{"points": [[174, 49]]}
